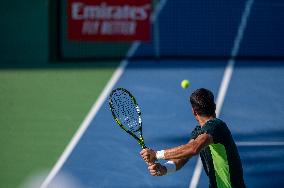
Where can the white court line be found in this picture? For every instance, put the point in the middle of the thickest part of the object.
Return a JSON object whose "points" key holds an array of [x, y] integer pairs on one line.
{"points": [[198, 167], [225, 82], [260, 143], [96, 106]]}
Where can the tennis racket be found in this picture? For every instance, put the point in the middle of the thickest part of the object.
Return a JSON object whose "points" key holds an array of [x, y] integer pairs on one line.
{"points": [[126, 113]]}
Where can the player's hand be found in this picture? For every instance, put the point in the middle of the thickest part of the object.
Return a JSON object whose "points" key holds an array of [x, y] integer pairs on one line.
{"points": [[156, 169], [148, 155]]}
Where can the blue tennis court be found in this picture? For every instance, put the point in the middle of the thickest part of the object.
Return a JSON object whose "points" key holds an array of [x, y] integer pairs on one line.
{"points": [[106, 157], [252, 102]]}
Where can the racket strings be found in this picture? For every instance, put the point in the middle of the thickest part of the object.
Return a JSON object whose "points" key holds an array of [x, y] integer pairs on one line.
{"points": [[125, 109]]}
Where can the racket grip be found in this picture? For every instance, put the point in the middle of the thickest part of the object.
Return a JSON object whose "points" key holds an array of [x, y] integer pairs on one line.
{"points": [[143, 146]]}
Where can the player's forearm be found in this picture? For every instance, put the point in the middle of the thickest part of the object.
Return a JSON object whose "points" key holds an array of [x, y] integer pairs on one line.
{"points": [[180, 152], [179, 163], [172, 165], [186, 151]]}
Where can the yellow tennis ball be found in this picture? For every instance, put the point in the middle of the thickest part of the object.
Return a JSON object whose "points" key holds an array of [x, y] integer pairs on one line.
{"points": [[185, 84]]}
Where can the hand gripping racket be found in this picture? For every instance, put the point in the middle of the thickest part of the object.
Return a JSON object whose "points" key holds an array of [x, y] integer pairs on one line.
{"points": [[126, 113]]}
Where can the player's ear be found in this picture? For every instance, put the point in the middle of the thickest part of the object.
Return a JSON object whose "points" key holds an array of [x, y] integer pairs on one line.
{"points": [[194, 112]]}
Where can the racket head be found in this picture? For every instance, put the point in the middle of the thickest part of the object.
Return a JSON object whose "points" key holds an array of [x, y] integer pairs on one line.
{"points": [[126, 113]]}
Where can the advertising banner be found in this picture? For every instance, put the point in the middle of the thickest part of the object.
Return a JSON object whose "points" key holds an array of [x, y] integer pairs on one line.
{"points": [[109, 20]]}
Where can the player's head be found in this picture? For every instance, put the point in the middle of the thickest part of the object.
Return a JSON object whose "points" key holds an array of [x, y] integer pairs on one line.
{"points": [[202, 102]]}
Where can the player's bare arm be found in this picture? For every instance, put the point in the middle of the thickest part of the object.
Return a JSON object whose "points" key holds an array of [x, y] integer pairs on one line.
{"points": [[179, 163], [186, 151], [157, 169], [190, 149]]}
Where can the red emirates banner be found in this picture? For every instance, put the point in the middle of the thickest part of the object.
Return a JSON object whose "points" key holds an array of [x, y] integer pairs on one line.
{"points": [[109, 20]]}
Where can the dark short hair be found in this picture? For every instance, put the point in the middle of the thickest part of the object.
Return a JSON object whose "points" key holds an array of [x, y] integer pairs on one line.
{"points": [[202, 102]]}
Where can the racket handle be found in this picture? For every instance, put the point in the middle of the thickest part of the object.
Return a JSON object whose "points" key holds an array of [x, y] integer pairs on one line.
{"points": [[143, 146]]}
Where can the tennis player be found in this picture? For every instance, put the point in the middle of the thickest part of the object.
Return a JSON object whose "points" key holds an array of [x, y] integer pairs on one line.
{"points": [[211, 139]]}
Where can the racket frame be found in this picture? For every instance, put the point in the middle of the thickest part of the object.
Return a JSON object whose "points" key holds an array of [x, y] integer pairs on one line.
{"points": [[139, 139]]}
